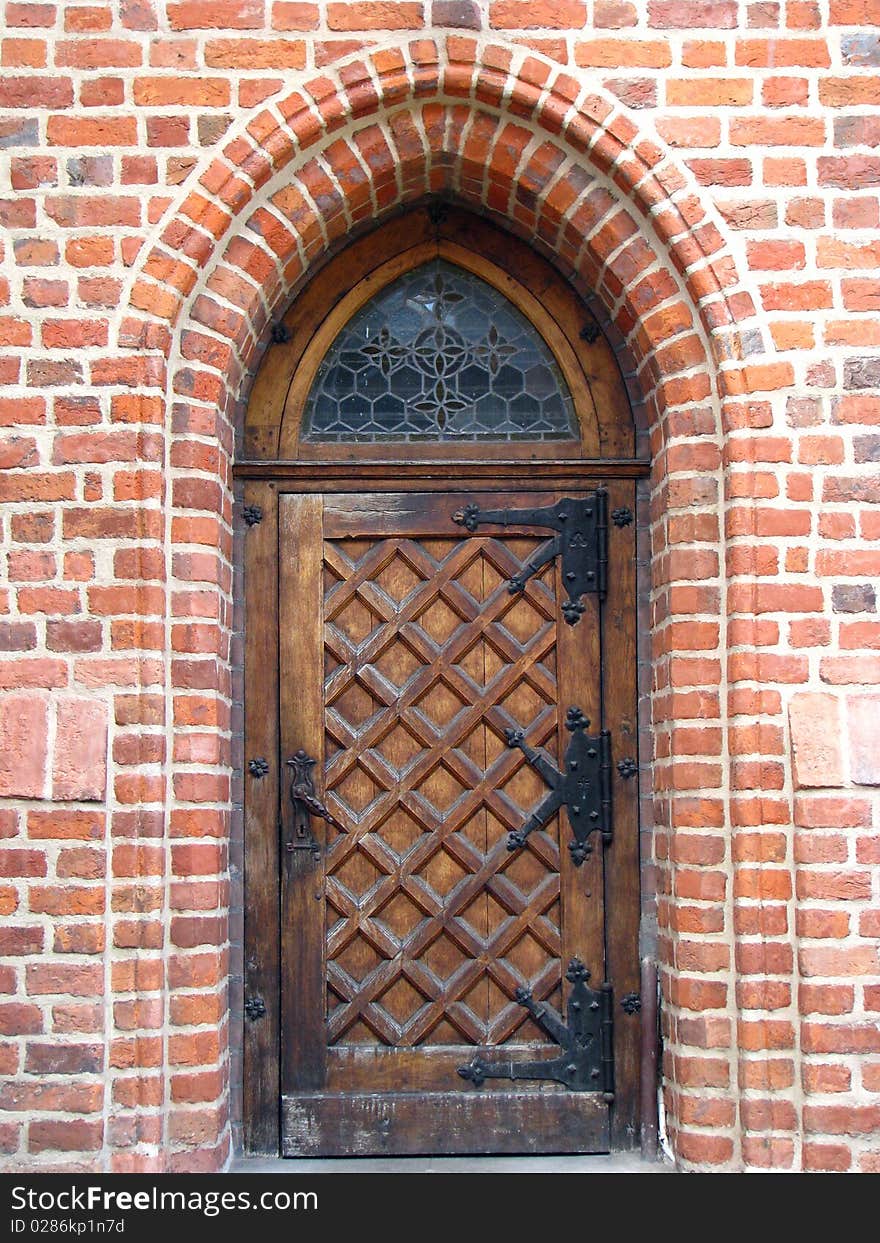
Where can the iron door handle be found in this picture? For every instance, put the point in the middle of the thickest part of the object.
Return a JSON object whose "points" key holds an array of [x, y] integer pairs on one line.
{"points": [[306, 804]]}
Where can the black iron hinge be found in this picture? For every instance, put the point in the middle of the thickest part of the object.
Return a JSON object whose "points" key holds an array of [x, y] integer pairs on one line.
{"points": [[581, 541], [587, 1039], [583, 787]]}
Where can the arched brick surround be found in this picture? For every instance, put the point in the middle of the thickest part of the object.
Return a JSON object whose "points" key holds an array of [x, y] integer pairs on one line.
{"points": [[511, 134]]}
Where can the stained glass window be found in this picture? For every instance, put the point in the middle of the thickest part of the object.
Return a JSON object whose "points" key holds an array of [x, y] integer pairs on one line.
{"points": [[439, 355]]}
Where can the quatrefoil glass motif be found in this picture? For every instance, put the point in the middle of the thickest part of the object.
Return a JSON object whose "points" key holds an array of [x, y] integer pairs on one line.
{"points": [[438, 354]]}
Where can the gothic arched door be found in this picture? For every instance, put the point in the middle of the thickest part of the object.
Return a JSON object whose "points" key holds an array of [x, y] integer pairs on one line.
{"points": [[440, 710]]}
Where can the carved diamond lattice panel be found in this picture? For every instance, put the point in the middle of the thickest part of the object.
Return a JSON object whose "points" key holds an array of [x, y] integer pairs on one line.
{"points": [[432, 924]]}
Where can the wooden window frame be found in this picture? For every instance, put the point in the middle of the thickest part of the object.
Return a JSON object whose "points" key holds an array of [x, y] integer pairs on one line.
{"points": [[352, 277]]}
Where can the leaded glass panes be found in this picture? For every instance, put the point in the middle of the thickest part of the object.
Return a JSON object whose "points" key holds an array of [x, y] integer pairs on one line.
{"points": [[439, 355]]}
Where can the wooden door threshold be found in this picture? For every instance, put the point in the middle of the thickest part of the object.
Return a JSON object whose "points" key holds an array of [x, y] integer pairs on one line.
{"points": [[611, 1163], [446, 1123]]}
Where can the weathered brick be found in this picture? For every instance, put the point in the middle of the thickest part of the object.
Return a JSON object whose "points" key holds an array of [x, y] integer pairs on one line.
{"points": [[24, 726], [80, 756], [863, 738], [816, 743]]}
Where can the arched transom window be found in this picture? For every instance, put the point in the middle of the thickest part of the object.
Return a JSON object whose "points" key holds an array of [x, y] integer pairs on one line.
{"points": [[437, 337], [439, 354]]}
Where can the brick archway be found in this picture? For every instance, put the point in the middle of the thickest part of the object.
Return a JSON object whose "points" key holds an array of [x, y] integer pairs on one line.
{"points": [[511, 134]]}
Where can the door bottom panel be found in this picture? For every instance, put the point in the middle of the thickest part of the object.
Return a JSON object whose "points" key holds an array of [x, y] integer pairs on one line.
{"points": [[410, 1124]]}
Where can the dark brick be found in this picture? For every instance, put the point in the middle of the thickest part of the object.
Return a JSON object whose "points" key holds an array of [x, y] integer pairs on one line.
{"points": [[21, 941], [861, 373], [854, 598], [211, 129], [70, 1059], [65, 1136], [46, 372], [73, 636], [17, 636], [860, 49], [847, 490], [849, 172], [462, 14], [90, 170], [867, 448], [15, 133], [857, 131]]}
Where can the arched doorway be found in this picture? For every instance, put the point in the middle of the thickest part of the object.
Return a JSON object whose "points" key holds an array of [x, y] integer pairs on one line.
{"points": [[440, 709]]}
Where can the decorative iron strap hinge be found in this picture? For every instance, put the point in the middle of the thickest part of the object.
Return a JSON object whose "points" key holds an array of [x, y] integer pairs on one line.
{"points": [[587, 1061], [582, 543], [584, 788]]}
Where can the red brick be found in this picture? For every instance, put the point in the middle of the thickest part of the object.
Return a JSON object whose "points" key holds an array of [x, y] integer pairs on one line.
{"points": [[832, 812], [294, 15], [65, 1136], [781, 131], [783, 53], [827, 961], [87, 18], [255, 54], [841, 1038], [181, 91], [64, 131], [708, 14], [197, 1049], [825, 1078], [827, 1157], [769, 1115], [216, 14], [766, 1152], [531, 14], [842, 1119], [620, 53], [825, 999], [704, 1149], [24, 53], [65, 824], [20, 1019], [375, 15], [207, 1086], [36, 92], [67, 1098]]}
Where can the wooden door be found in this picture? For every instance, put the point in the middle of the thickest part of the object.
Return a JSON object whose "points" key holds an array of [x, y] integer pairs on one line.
{"points": [[408, 930]]}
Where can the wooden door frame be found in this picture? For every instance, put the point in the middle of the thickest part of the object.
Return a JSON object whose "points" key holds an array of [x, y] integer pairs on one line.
{"points": [[263, 484], [273, 462]]}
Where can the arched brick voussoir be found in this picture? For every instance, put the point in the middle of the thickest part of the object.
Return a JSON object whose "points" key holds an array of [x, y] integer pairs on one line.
{"points": [[489, 167], [481, 158], [515, 86]]}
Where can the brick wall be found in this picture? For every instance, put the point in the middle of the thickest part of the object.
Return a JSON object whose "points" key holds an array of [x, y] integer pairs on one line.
{"points": [[709, 175]]}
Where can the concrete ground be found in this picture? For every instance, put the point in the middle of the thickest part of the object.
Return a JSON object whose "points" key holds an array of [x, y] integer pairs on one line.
{"points": [[615, 1163]]}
